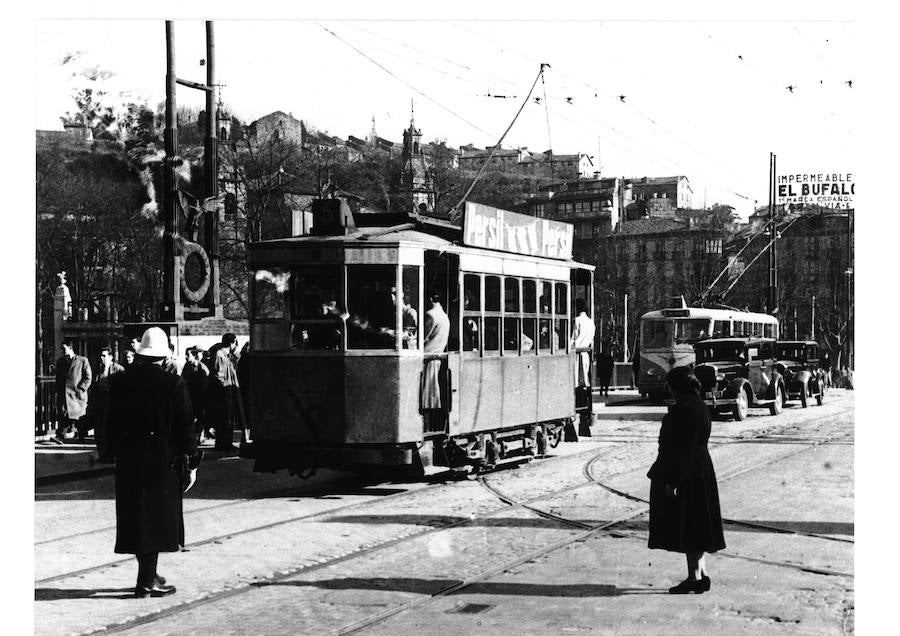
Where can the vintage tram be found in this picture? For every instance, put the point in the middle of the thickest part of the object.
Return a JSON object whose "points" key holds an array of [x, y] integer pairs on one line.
{"points": [[340, 360]]}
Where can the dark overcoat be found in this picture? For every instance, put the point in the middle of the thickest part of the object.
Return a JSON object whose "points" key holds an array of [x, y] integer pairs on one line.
{"points": [[150, 423], [690, 521], [73, 379]]}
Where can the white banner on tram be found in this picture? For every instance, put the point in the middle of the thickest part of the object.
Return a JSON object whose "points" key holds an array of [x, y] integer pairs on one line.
{"points": [[496, 229]]}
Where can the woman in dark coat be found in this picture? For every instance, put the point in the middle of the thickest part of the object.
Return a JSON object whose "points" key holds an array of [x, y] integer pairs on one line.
{"points": [[684, 499], [151, 426]]}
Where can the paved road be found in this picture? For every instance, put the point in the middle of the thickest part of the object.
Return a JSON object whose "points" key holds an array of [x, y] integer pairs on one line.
{"points": [[554, 546]]}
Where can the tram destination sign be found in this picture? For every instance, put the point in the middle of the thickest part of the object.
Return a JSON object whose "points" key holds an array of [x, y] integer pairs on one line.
{"points": [[496, 229], [828, 190]]}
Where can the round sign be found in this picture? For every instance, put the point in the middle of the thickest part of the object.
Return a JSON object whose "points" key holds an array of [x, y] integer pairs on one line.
{"points": [[195, 272]]}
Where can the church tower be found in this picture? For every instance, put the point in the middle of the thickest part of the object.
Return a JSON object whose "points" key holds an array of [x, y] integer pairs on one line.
{"points": [[416, 177]]}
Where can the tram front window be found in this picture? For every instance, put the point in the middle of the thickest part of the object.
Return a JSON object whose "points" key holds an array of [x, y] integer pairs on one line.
{"points": [[371, 306], [316, 313], [268, 294]]}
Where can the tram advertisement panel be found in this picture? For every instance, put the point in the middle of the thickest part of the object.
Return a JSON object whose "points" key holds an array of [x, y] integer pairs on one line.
{"points": [[497, 229]]}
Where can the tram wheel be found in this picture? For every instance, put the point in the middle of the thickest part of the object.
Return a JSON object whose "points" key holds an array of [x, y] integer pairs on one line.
{"points": [[491, 453], [541, 441]]}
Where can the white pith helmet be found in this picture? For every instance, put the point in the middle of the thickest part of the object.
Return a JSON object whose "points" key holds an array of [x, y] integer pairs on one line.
{"points": [[154, 344]]}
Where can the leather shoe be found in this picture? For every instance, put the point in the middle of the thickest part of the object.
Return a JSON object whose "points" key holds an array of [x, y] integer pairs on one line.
{"points": [[143, 591], [707, 582], [689, 585]]}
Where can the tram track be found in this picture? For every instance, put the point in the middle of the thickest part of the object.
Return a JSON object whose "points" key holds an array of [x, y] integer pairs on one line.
{"points": [[587, 530]]}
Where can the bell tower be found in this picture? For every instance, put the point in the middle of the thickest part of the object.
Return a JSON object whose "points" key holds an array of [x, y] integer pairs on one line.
{"points": [[416, 178]]}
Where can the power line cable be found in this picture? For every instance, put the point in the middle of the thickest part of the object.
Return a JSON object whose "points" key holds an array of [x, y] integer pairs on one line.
{"points": [[404, 82]]}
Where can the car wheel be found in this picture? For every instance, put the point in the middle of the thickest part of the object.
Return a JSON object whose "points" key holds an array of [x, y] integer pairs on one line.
{"points": [[804, 396], [777, 406], [742, 407]]}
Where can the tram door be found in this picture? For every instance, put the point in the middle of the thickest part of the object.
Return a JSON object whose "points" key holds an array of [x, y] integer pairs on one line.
{"points": [[441, 274], [583, 288]]}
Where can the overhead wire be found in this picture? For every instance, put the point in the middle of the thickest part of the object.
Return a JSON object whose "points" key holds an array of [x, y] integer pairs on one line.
{"points": [[404, 82]]}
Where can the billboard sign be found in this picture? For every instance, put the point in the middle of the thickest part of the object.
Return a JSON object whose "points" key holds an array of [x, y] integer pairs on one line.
{"points": [[830, 190], [496, 229]]}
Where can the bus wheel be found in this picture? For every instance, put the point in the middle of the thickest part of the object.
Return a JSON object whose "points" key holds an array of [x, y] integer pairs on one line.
{"points": [[777, 406], [740, 409], [804, 396]]}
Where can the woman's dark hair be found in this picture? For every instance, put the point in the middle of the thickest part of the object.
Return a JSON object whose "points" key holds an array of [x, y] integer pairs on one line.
{"points": [[683, 380]]}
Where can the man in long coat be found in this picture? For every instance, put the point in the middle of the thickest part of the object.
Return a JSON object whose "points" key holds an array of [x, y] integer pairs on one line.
{"points": [[73, 379], [151, 425], [224, 410], [98, 403]]}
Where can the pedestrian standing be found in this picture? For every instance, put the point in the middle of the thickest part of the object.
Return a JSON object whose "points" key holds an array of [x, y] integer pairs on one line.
{"points": [[605, 365], [129, 357], [98, 403], [684, 498], [150, 424], [435, 337], [196, 377], [73, 379], [583, 331], [223, 408]]}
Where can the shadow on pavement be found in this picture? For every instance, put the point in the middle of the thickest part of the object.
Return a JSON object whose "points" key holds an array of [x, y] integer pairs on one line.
{"points": [[435, 586]]}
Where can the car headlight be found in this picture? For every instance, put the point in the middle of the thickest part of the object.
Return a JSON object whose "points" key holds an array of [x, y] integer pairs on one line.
{"points": [[651, 371], [720, 377]]}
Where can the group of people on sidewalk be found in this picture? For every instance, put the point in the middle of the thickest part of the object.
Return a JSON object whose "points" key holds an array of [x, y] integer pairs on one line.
{"points": [[216, 393]]}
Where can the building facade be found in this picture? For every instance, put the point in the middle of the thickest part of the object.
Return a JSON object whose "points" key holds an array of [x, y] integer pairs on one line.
{"points": [[521, 162]]}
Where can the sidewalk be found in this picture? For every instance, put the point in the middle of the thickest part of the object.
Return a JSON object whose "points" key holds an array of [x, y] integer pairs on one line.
{"points": [[56, 463]]}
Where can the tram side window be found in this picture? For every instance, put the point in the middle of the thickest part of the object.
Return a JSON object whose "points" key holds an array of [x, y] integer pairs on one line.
{"points": [[562, 299], [757, 329], [511, 335], [767, 331], [739, 328], [529, 328], [471, 329], [529, 296], [562, 335], [544, 334], [545, 300], [371, 304], [492, 293], [529, 320], [511, 295], [471, 292], [491, 335]]}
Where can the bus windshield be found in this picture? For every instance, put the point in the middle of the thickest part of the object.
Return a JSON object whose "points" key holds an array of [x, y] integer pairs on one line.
{"points": [[656, 334], [690, 330]]}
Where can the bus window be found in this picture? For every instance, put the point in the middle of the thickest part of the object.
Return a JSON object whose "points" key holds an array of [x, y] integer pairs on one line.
{"points": [[492, 293], [511, 295], [757, 329], [721, 329], [690, 330], [561, 327], [371, 304], [529, 296], [738, 328], [544, 334], [472, 292], [529, 336], [491, 335], [767, 331], [268, 294], [656, 334], [409, 316], [562, 299], [546, 291], [470, 333], [511, 335]]}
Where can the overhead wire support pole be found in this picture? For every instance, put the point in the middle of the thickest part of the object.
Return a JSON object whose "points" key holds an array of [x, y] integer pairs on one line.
{"points": [[455, 211]]}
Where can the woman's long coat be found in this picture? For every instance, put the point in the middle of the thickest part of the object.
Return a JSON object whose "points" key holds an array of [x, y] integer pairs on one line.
{"points": [[690, 521], [150, 423]]}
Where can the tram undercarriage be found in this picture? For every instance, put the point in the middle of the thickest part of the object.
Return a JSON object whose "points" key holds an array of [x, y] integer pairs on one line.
{"points": [[477, 451]]}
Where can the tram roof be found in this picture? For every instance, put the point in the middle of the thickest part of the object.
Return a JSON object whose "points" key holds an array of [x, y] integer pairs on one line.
{"points": [[394, 229]]}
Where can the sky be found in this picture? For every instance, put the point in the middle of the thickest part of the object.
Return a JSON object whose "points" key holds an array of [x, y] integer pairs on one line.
{"points": [[702, 97]]}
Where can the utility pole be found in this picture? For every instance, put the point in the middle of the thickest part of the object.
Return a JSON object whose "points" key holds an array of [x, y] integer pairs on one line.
{"points": [[773, 236], [812, 330], [849, 272], [211, 167], [170, 185], [625, 338]]}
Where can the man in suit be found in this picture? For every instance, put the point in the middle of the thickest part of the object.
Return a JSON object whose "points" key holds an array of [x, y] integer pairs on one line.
{"points": [[98, 403], [152, 431], [73, 379]]}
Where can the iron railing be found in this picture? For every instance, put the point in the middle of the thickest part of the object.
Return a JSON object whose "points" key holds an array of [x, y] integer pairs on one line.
{"points": [[46, 409]]}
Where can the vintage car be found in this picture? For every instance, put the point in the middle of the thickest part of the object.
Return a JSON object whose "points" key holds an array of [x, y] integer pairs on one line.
{"points": [[798, 364], [739, 373]]}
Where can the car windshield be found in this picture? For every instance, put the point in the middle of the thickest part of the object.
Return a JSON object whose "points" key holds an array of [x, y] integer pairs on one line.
{"points": [[721, 352], [790, 352]]}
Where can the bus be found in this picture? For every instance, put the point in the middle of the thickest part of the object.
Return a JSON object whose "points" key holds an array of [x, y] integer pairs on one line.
{"points": [[667, 338], [338, 358]]}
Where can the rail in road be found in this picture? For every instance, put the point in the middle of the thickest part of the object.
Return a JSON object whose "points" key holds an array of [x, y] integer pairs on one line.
{"points": [[589, 459]]}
